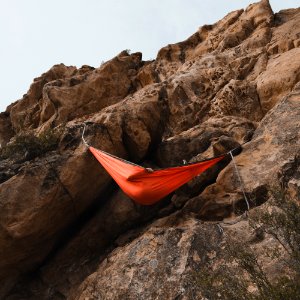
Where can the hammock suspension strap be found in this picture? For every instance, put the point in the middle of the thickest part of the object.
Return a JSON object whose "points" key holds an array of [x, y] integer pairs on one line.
{"points": [[82, 136], [240, 180], [138, 184], [119, 158]]}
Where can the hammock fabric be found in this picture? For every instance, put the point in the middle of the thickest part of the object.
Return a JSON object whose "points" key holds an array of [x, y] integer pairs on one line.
{"points": [[148, 188]]}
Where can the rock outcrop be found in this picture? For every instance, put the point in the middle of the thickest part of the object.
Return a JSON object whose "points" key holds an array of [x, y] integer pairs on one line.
{"points": [[67, 231]]}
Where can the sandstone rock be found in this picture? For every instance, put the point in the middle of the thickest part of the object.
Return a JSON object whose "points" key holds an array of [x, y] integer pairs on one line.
{"points": [[261, 163], [237, 27], [102, 87], [61, 215], [286, 35], [190, 93], [147, 75], [51, 98], [98, 228], [25, 113], [157, 264], [280, 77], [39, 203], [6, 131], [67, 185], [164, 261], [198, 139], [238, 98], [31, 211]]}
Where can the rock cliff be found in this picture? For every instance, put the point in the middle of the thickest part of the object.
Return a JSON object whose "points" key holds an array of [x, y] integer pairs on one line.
{"points": [[68, 232]]}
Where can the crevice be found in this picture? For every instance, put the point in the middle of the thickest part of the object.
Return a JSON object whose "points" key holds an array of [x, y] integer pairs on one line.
{"points": [[64, 238], [67, 192], [46, 97], [82, 219], [259, 103]]}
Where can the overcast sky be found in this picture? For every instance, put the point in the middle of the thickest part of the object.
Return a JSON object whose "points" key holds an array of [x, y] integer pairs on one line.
{"points": [[37, 34]]}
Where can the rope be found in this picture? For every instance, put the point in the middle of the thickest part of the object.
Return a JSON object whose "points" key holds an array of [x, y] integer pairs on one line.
{"points": [[184, 162], [221, 230], [122, 159], [119, 158], [240, 180], [82, 136]]}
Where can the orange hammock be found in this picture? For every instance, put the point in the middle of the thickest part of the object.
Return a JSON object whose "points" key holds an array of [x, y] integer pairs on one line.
{"points": [[146, 187]]}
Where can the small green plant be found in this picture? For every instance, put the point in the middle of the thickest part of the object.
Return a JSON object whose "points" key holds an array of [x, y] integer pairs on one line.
{"points": [[242, 275], [281, 219], [28, 146]]}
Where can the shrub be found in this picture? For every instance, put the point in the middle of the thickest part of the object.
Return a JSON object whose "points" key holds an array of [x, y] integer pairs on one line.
{"points": [[243, 277], [28, 146]]}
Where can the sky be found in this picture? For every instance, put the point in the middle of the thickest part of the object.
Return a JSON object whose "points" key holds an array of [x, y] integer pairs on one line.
{"points": [[37, 34]]}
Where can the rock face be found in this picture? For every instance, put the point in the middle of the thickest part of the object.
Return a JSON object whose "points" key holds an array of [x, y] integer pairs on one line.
{"points": [[163, 261], [66, 230], [162, 254]]}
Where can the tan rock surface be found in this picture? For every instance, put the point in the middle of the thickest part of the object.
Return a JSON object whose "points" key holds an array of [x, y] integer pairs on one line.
{"points": [[270, 159], [25, 113], [64, 93], [163, 261], [60, 214], [280, 77], [6, 129]]}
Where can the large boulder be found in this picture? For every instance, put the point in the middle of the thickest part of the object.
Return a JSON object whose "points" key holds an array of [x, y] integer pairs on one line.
{"points": [[280, 77], [169, 258], [64, 93], [269, 160]]}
